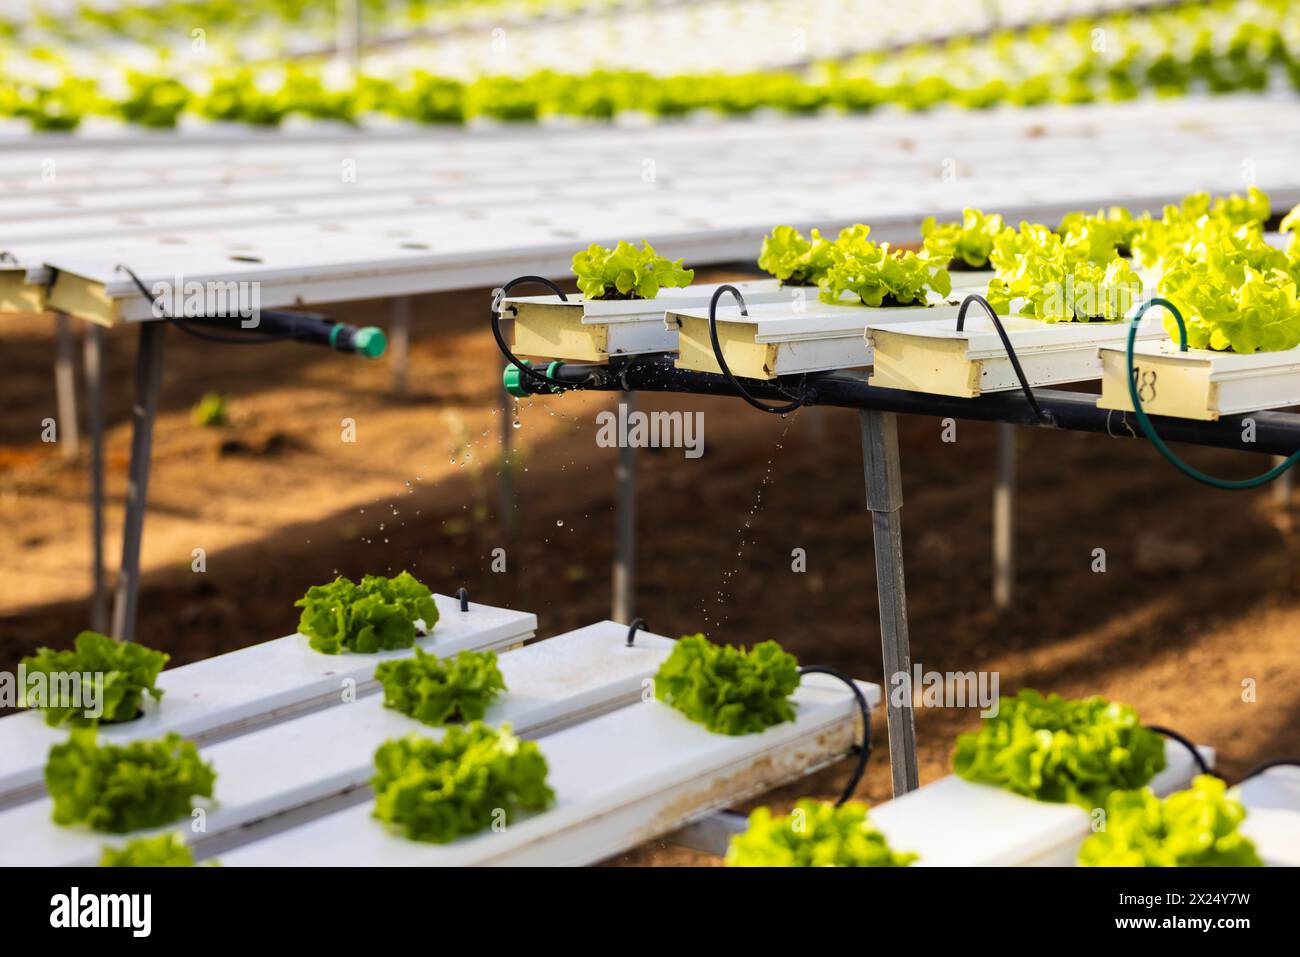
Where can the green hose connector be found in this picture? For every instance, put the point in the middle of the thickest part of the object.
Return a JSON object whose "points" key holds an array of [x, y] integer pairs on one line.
{"points": [[367, 341], [513, 379], [370, 342]]}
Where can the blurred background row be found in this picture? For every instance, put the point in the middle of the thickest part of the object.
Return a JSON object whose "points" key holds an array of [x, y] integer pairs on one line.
{"points": [[66, 64]]}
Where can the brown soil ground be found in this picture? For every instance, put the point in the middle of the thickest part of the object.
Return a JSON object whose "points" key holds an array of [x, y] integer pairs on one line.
{"points": [[1199, 593]]}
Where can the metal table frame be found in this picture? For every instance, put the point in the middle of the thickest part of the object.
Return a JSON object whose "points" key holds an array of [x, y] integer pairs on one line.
{"points": [[148, 372], [1276, 433]]}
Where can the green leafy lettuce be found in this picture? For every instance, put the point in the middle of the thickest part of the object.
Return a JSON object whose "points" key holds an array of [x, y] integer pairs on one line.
{"points": [[1060, 751], [1105, 233], [1228, 305], [1180, 228], [626, 272], [1235, 290], [969, 242], [165, 850], [1291, 224], [212, 411], [794, 260], [155, 102], [471, 778], [60, 107], [1254, 207], [1058, 280], [123, 671], [426, 98], [729, 690], [438, 690], [379, 614], [817, 834], [1198, 827], [236, 97], [121, 788], [880, 276]]}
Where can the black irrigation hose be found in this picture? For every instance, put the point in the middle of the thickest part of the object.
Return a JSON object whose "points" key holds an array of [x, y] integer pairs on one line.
{"points": [[1191, 748], [637, 624], [795, 403], [253, 339], [462, 595], [1006, 344], [499, 297], [1275, 763], [864, 749]]}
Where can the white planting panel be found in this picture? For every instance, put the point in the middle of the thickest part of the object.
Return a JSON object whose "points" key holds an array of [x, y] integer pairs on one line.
{"points": [[435, 210], [1272, 802], [328, 753], [234, 692], [619, 780], [956, 823]]}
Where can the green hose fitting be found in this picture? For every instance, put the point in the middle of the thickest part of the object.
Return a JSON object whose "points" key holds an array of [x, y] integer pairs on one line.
{"points": [[370, 342], [513, 379]]}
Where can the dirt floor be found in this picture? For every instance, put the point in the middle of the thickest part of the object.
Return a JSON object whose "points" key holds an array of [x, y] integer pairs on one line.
{"points": [[1198, 601]]}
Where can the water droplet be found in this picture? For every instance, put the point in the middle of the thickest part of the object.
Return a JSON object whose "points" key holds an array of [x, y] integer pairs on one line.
{"points": [[559, 521]]}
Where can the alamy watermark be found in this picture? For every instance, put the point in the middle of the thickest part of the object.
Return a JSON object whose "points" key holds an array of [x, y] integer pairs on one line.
{"points": [[133, 912], [656, 430], [80, 690], [1089, 300], [190, 299], [945, 689]]}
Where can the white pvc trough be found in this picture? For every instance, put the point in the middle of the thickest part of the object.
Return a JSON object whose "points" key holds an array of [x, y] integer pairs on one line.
{"points": [[787, 338], [1272, 802], [619, 780], [592, 330], [1200, 383], [956, 823], [966, 282], [936, 358], [291, 765], [236, 692]]}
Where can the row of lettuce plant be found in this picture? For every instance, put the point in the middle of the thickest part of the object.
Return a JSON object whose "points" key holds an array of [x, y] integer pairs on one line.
{"points": [[1215, 48], [158, 21], [429, 789], [1210, 257], [1092, 753]]}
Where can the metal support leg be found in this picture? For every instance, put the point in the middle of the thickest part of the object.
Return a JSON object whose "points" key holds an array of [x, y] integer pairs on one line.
{"points": [[348, 25], [65, 385], [885, 501], [1282, 484], [712, 835], [400, 350], [93, 361], [624, 585], [148, 377], [1004, 521], [506, 505]]}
